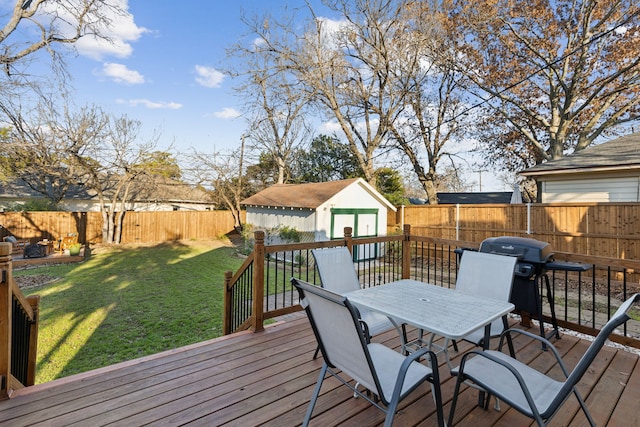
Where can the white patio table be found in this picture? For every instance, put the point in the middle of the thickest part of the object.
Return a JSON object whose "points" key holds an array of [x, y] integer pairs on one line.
{"points": [[441, 311]]}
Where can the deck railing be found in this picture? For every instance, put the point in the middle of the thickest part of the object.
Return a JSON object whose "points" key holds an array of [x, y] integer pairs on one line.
{"points": [[18, 330], [260, 289]]}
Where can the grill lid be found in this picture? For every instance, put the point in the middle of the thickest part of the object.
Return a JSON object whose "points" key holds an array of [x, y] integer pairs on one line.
{"points": [[527, 250]]}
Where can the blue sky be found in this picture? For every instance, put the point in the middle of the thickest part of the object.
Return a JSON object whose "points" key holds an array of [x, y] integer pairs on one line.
{"points": [[167, 72], [163, 69]]}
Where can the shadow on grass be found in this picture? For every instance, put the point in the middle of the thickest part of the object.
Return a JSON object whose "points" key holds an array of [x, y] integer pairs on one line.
{"points": [[127, 303]]}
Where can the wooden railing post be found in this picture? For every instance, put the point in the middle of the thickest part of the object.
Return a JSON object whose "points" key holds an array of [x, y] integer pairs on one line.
{"points": [[228, 301], [34, 302], [20, 372], [348, 238], [258, 283], [406, 252], [6, 308]]}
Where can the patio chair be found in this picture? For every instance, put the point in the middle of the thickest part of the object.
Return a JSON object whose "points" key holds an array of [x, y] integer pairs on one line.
{"points": [[527, 390], [337, 274], [486, 275], [17, 245], [344, 341], [67, 241]]}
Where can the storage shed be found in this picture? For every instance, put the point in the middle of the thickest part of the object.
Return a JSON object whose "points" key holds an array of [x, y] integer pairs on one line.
{"points": [[321, 210], [607, 172]]}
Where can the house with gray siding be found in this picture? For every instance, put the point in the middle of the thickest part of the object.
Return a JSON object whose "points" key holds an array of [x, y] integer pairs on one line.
{"points": [[607, 172], [160, 195]]}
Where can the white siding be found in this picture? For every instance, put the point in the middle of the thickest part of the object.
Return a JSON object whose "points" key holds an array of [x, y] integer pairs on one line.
{"points": [[268, 218], [623, 189], [92, 206]]}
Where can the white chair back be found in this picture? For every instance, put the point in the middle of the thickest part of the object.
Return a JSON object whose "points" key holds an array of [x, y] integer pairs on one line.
{"points": [[336, 269], [486, 275]]}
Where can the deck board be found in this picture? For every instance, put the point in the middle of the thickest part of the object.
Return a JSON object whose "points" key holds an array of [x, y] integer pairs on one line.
{"points": [[267, 378]]}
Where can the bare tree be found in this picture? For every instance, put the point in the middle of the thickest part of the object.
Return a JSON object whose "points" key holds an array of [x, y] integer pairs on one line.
{"points": [[274, 105], [222, 176], [43, 138], [377, 75], [343, 68], [52, 150], [430, 127], [554, 76], [112, 167], [48, 25], [44, 144]]}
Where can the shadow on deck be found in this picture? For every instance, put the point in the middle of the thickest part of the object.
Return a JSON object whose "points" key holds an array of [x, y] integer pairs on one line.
{"points": [[267, 378]]}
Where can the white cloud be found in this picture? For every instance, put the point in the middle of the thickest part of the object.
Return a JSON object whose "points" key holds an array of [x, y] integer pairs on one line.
{"points": [[208, 76], [150, 104], [333, 127], [621, 30], [119, 28], [227, 113], [119, 73], [330, 31], [330, 128]]}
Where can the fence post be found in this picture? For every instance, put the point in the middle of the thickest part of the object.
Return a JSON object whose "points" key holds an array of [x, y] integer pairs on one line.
{"points": [[406, 251], [226, 319], [258, 283]]}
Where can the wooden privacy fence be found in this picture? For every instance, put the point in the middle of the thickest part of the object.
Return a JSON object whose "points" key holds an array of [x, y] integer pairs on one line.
{"points": [[137, 227], [142, 227], [36, 226], [601, 229]]}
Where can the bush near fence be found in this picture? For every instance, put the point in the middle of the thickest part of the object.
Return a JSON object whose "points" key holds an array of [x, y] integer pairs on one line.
{"points": [[137, 227]]}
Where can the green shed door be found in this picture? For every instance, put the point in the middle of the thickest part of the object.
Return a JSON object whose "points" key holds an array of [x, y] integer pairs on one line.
{"points": [[364, 223]]}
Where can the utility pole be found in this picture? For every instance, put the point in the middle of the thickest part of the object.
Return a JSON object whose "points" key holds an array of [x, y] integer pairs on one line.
{"points": [[480, 175]]}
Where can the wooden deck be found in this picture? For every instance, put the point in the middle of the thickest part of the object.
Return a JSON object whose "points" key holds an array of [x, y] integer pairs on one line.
{"points": [[267, 378]]}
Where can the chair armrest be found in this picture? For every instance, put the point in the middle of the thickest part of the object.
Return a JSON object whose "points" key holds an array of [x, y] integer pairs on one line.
{"points": [[555, 352], [507, 366], [365, 329], [408, 360], [416, 355]]}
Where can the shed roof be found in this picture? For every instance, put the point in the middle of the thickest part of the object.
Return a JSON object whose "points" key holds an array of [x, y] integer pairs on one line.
{"points": [[310, 195], [619, 154]]}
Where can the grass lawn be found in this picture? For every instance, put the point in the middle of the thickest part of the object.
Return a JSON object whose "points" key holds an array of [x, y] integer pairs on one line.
{"points": [[128, 302]]}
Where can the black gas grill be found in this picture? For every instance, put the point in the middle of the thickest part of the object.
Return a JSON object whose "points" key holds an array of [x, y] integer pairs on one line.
{"points": [[533, 255], [534, 259]]}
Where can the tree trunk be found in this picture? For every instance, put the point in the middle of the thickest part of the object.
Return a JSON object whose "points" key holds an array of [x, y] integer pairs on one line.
{"points": [[105, 225], [118, 227]]}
